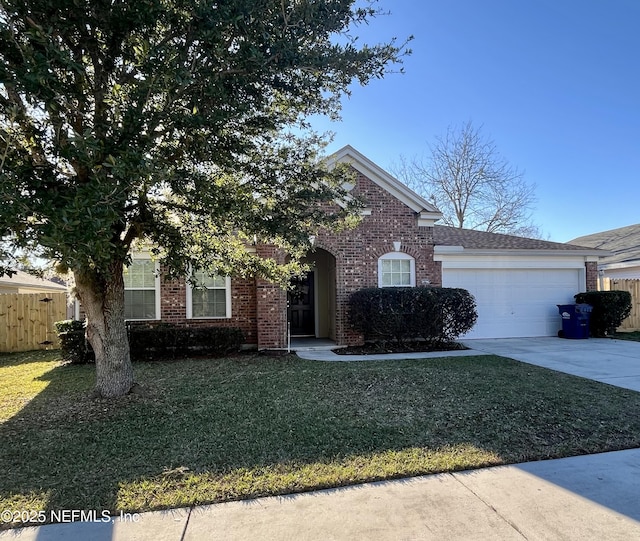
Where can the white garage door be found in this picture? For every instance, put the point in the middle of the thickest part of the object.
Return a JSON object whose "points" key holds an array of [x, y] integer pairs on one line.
{"points": [[516, 302]]}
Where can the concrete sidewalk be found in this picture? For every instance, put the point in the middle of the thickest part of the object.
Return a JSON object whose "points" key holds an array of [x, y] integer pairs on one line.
{"points": [[330, 356], [578, 498]]}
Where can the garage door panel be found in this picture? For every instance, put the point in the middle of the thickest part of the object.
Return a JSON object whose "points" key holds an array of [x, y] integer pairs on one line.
{"points": [[516, 302]]}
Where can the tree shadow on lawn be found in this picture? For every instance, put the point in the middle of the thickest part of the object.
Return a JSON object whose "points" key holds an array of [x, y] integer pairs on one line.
{"points": [[24, 358], [214, 430]]}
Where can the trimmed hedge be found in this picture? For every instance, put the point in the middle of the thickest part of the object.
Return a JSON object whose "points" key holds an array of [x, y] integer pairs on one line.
{"points": [[68, 325], [153, 342], [75, 348], [610, 309], [434, 314], [73, 345], [172, 342]]}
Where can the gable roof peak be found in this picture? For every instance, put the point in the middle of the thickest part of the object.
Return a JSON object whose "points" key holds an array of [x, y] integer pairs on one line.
{"points": [[384, 180]]}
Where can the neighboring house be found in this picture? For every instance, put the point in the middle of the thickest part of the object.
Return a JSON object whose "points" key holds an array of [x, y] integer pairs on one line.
{"points": [[624, 245], [22, 282], [517, 282]]}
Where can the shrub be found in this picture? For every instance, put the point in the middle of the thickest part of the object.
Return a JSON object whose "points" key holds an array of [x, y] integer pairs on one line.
{"points": [[73, 344], [163, 341], [434, 314], [67, 325], [610, 308], [458, 309], [171, 342]]}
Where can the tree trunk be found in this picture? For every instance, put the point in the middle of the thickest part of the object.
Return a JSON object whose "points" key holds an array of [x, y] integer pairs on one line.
{"points": [[102, 297]]}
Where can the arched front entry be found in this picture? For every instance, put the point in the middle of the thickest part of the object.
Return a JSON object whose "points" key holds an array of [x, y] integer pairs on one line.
{"points": [[312, 301]]}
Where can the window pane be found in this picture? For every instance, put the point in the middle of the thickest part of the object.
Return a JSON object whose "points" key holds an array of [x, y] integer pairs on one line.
{"points": [[203, 279], [395, 272], [209, 302], [140, 274], [216, 281], [139, 304], [218, 303]]}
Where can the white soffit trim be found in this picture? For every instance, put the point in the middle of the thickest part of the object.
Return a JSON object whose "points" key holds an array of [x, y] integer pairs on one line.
{"points": [[348, 154], [522, 260]]}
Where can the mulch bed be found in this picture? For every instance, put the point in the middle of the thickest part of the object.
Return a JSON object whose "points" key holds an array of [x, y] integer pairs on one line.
{"points": [[373, 348]]}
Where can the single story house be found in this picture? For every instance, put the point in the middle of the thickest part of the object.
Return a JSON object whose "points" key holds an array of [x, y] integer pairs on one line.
{"points": [[22, 282], [517, 282], [624, 244]]}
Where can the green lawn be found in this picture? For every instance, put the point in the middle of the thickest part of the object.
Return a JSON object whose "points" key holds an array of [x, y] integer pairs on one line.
{"points": [[215, 430], [634, 336]]}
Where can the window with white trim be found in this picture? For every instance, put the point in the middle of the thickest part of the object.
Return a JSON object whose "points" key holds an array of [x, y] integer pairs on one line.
{"points": [[209, 297], [141, 290], [396, 269]]}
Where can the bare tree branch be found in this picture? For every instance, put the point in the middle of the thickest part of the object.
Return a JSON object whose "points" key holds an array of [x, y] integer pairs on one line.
{"points": [[472, 184]]}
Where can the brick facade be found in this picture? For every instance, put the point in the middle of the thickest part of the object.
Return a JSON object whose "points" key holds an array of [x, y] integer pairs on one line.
{"points": [[271, 306], [259, 307], [592, 275], [357, 251], [173, 307], [347, 261]]}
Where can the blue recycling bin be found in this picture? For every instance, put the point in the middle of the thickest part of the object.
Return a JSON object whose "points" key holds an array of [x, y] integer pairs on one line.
{"points": [[575, 320]]}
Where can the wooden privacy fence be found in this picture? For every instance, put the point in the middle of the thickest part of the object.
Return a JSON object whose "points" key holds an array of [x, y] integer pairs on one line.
{"points": [[26, 320], [632, 323]]}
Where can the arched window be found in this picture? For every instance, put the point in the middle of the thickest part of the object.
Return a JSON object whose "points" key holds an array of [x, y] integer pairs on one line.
{"points": [[396, 269]]}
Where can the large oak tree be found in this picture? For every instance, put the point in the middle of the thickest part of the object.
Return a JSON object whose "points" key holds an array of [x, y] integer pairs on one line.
{"points": [[180, 123]]}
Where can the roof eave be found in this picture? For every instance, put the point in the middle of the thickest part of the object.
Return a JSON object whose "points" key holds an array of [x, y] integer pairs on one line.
{"points": [[619, 265], [54, 287], [593, 255]]}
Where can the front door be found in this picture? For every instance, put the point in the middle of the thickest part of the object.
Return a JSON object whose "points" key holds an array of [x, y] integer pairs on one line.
{"points": [[301, 308]]}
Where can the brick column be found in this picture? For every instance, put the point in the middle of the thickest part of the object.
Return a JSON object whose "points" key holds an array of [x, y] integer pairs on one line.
{"points": [[592, 275], [271, 306]]}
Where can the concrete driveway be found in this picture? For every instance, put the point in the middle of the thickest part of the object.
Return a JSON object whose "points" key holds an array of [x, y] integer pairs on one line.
{"points": [[616, 362]]}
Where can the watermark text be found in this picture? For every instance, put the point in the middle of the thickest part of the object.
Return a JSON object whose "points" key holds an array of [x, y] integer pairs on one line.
{"points": [[66, 515]]}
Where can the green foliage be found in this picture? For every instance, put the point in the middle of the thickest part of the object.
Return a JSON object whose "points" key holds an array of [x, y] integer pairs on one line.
{"points": [[170, 121], [172, 342], [74, 347], [432, 313], [179, 124], [153, 343], [610, 309], [67, 325]]}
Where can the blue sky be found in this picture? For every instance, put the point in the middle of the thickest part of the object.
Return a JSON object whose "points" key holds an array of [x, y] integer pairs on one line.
{"points": [[555, 84]]}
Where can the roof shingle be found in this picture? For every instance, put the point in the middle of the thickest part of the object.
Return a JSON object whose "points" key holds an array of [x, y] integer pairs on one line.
{"points": [[472, 239], [624, 242]]}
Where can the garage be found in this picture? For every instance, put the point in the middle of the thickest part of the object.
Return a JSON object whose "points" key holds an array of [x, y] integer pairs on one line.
{"points": [[517, 282], [516, 302]]}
